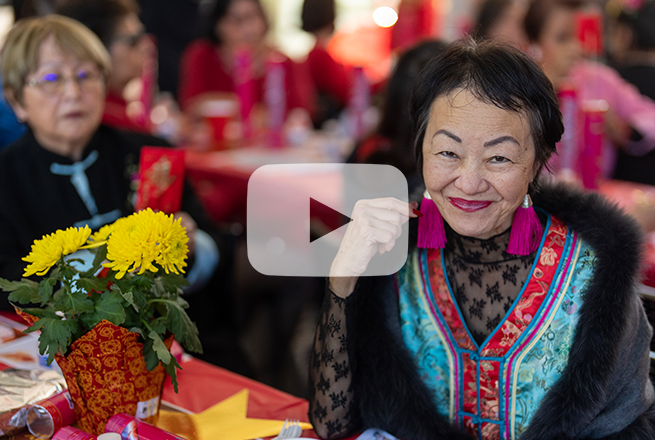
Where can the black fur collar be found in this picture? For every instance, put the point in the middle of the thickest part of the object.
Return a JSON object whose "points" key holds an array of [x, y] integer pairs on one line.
{"points": [[580, 394]]}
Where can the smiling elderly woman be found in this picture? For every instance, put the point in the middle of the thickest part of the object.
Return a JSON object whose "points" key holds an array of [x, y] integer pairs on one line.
{"points": [[504, 323]]}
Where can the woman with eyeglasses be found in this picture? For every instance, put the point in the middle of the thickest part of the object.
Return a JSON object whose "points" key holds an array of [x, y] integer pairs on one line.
{"points": [[70, 170], [117, 24]]}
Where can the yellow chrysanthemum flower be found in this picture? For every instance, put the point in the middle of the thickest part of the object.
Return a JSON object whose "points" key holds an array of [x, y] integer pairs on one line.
{"points": [[102, 234], [49, 249], [143, 239], [174, 248]]}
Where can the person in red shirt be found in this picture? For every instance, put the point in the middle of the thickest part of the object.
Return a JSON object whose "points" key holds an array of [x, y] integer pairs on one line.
{"points": [[117, 24], [208, 63], [391, 142], [329, 79]]}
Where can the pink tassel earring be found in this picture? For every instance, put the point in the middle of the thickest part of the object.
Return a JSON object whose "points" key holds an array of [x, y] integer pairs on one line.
{"points": [[431, 232], [526, 230]]}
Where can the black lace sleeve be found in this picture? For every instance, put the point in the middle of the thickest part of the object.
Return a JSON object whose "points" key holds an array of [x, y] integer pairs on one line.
{"points": [[332, 408]]}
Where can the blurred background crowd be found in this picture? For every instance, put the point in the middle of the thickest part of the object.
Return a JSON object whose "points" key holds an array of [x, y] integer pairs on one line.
{"points": [[208, 75]]}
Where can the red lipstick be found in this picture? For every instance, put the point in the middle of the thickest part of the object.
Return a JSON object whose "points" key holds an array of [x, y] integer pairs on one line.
{"points": [[468, 205]]}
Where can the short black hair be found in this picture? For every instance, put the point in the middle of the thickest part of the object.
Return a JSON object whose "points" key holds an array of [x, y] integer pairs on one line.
{"points": [[101, 16], [317, 14], [497, 74]]}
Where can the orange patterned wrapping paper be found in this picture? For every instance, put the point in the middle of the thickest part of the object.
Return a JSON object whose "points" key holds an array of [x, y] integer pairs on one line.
{"points": [[106, 374]]}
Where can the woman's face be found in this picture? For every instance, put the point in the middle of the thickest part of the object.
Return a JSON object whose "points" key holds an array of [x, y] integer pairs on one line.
{"points": [[558, 44], [508, 28], [64, 104], [128, 52], [478, 161], [243, 25]]}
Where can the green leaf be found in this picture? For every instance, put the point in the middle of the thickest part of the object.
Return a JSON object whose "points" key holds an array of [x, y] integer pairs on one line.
{"points": [[150, 355], [39, 313], [109, 306], [158, 325], [173, 283], [182, 302], [74, 303], [56, 335], [91, 283], [23, 292], [56, 297], [136, 330], [158, 346], [112, 307], [68, 272], [129, 297], [171, 369], [54, 273], [45, 289], [185, 331], [143, 282], [9, 286], [139, 298]]}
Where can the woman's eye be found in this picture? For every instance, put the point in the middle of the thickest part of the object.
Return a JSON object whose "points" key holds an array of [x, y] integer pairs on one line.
{"points": [[499, 159], [448, 154], [50, 78]]}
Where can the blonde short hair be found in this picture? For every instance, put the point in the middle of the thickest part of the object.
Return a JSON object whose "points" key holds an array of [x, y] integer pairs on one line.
{"points": [[20, 54]]}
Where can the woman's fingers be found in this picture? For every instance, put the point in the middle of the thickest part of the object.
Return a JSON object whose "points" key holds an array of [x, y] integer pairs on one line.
{"points": [[394, 226], [391, 204], [376, 225]]}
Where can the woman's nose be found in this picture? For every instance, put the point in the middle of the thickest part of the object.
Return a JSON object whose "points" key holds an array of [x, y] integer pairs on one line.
{"points": [[72, 88], [471, 179]]}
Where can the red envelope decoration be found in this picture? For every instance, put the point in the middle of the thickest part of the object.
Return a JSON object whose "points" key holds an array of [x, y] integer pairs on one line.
{"points": [[161, 174]]}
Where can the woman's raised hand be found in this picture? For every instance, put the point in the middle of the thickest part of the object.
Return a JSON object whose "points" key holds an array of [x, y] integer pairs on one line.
{"points": [[375, 226]]}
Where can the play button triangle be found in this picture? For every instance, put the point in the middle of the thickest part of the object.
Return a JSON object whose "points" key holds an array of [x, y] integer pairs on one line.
{"points": [[315, 206]]}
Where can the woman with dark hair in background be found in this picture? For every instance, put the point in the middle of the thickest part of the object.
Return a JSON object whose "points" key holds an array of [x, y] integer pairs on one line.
{"points": [[390, 144], [501, 20], [629, 121], [208, 64], [632, 45], [329, 78], [117, 24]]}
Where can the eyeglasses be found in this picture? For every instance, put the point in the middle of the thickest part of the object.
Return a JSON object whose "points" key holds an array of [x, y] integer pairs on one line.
{"points": [[131, 40], [53, 83]]}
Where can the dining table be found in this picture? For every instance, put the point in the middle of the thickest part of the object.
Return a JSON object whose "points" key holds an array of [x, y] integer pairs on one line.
{"points": [[235, 401], [220, 178]]}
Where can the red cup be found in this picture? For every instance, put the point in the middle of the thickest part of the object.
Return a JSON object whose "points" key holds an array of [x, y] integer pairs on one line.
{"points": [[221, 116]]}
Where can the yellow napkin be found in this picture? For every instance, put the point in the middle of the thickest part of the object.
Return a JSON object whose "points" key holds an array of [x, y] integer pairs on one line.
{"points": [[224, 421]]}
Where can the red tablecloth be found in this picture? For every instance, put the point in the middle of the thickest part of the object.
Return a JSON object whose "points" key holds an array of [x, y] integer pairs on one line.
{"points": [[202, 385]]}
